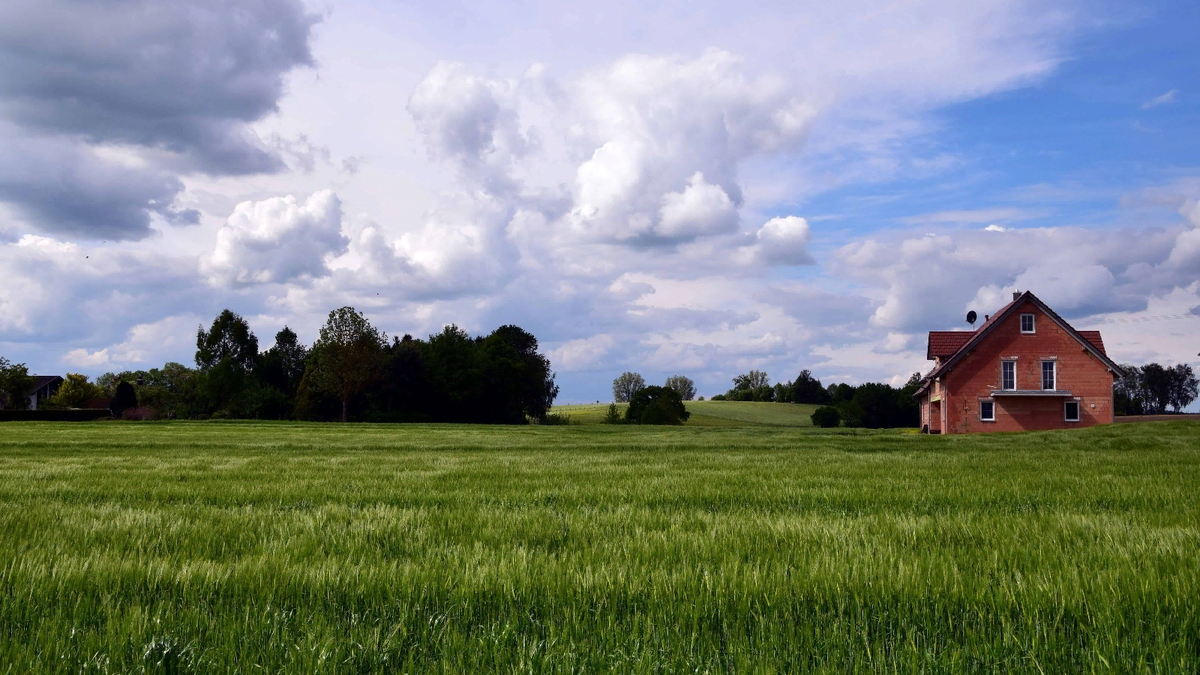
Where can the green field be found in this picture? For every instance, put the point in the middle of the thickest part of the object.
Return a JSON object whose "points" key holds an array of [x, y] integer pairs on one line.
{"points": [[247, 547], [711, 413]]}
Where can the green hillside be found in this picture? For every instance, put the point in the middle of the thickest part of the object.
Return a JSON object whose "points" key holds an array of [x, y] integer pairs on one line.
{"points": [[711, 413]]}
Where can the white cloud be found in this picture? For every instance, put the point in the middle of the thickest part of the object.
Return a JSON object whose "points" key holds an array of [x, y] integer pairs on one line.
{"points": [[781, 241], [582, 354], [1169, 97], [145, 345], [700, 209], [277, 240]]}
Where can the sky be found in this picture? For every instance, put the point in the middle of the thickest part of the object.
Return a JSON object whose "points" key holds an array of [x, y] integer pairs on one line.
{"points": [[664, 187]]}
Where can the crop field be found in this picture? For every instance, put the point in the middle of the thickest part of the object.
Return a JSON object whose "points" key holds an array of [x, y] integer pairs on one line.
{"points": [[711, 413], [329, 548]]}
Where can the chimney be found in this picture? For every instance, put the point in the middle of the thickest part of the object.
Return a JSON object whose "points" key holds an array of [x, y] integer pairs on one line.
{"points": [[1016, 294]]}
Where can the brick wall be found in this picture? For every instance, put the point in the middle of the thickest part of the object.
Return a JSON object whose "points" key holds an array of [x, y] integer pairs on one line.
{"points": [[977, 375]]}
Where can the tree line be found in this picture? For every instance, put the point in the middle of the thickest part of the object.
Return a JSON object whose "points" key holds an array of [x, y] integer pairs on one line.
{"points": [[873, 405], [1152, 389], [352, 372]]}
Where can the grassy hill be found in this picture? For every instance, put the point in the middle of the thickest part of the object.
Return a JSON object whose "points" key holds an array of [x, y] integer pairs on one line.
{"points": [[712, 413]]}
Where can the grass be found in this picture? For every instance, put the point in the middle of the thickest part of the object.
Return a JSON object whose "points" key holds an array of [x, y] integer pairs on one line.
{"points": [[244, 547], [711, 413]]}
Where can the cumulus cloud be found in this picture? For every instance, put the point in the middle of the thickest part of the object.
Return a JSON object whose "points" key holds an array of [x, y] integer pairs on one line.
{"points": [[930, 281], [170, 88], [146, 345], [57, 291], [277, 240], [781, 241]]}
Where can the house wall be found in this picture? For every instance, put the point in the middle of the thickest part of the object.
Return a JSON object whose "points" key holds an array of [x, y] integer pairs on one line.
{"points": [[977, 375]]}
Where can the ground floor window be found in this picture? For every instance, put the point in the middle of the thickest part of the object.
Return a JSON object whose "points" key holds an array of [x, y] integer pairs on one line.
{"points": [[1072, 411], [987, 411]]}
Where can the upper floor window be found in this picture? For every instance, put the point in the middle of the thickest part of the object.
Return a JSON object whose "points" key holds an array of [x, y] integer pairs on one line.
{"points": [[1048, 379], [1027, 323], [1008, 374]]}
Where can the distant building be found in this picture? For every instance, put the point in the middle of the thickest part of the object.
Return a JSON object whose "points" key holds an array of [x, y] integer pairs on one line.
{"points": [[1024, 368], [44, 386]]}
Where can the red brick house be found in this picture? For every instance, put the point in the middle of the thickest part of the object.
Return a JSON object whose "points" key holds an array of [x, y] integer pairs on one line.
{"points": [[1024, 368]]}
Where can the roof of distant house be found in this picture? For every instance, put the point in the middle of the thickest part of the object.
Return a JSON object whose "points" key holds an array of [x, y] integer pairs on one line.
{"points": [[40, 381]]}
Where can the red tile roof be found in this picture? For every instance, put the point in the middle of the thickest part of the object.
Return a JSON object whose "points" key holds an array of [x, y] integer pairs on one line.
{"points": [[943, 343], [1093, 338]]}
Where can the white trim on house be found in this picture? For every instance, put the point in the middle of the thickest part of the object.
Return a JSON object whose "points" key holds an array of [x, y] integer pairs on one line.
{"points": [[1053, 374], [990, 404], [1008, 364], [1032, 324], [1078, 410]]}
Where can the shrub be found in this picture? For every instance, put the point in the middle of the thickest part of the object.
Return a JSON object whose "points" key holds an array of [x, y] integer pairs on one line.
{"points": [[140, 414], [554, 419], [613, 416], [656, 405], [124, 398], [718, 397], [826, 417]]}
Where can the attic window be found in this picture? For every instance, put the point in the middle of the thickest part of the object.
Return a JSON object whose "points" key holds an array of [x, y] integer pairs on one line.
{"points": [[1026, 323]]}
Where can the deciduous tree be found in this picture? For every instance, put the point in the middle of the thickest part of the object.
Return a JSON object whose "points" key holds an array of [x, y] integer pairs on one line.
{"points": [[626, 385], [349, 355], [683, 385], [75, 392]]}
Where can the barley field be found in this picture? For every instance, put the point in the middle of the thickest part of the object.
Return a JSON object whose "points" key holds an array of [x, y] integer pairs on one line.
{"points": [[710, 413], [328, 548]]}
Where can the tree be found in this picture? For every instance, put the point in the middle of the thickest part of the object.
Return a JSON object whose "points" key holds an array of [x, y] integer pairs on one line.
{"points": [[626, 385], [229, 338], [283, 364], [1156, 383], [755, 379], [613, 415], [656, 405], [519, 376], [1129, 396], [348, 355], [751, 386], [124, 398], [15, 383], [75, 392], [683, 385], [826, 417], [1183, 387], [808, 389]]}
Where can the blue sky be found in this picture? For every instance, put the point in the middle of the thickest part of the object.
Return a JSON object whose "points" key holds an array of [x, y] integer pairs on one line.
{"points": [[695, 188]]}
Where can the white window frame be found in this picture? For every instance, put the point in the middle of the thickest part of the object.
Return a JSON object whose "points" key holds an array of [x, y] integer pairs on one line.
{"points": [[1014, 374], [1054, 375], [1032, 324], [1078, 411], [990, 402]]}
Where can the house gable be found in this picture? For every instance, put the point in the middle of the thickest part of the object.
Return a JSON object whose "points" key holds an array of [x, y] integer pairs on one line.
{"points": [[1025, 368]]}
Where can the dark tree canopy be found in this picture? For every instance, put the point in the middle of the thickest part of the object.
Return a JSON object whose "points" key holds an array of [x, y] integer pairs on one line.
{"points": [[230, 339], [124, 398], [15, 383], [656, 405], [826, 417], [283, 364]]}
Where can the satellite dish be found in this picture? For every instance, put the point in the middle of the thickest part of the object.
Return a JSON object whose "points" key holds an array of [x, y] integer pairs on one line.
{"points": [[971, 316]]}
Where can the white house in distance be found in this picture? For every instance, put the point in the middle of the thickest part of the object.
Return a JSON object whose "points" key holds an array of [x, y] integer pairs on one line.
{"points": [[44, 386]]}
